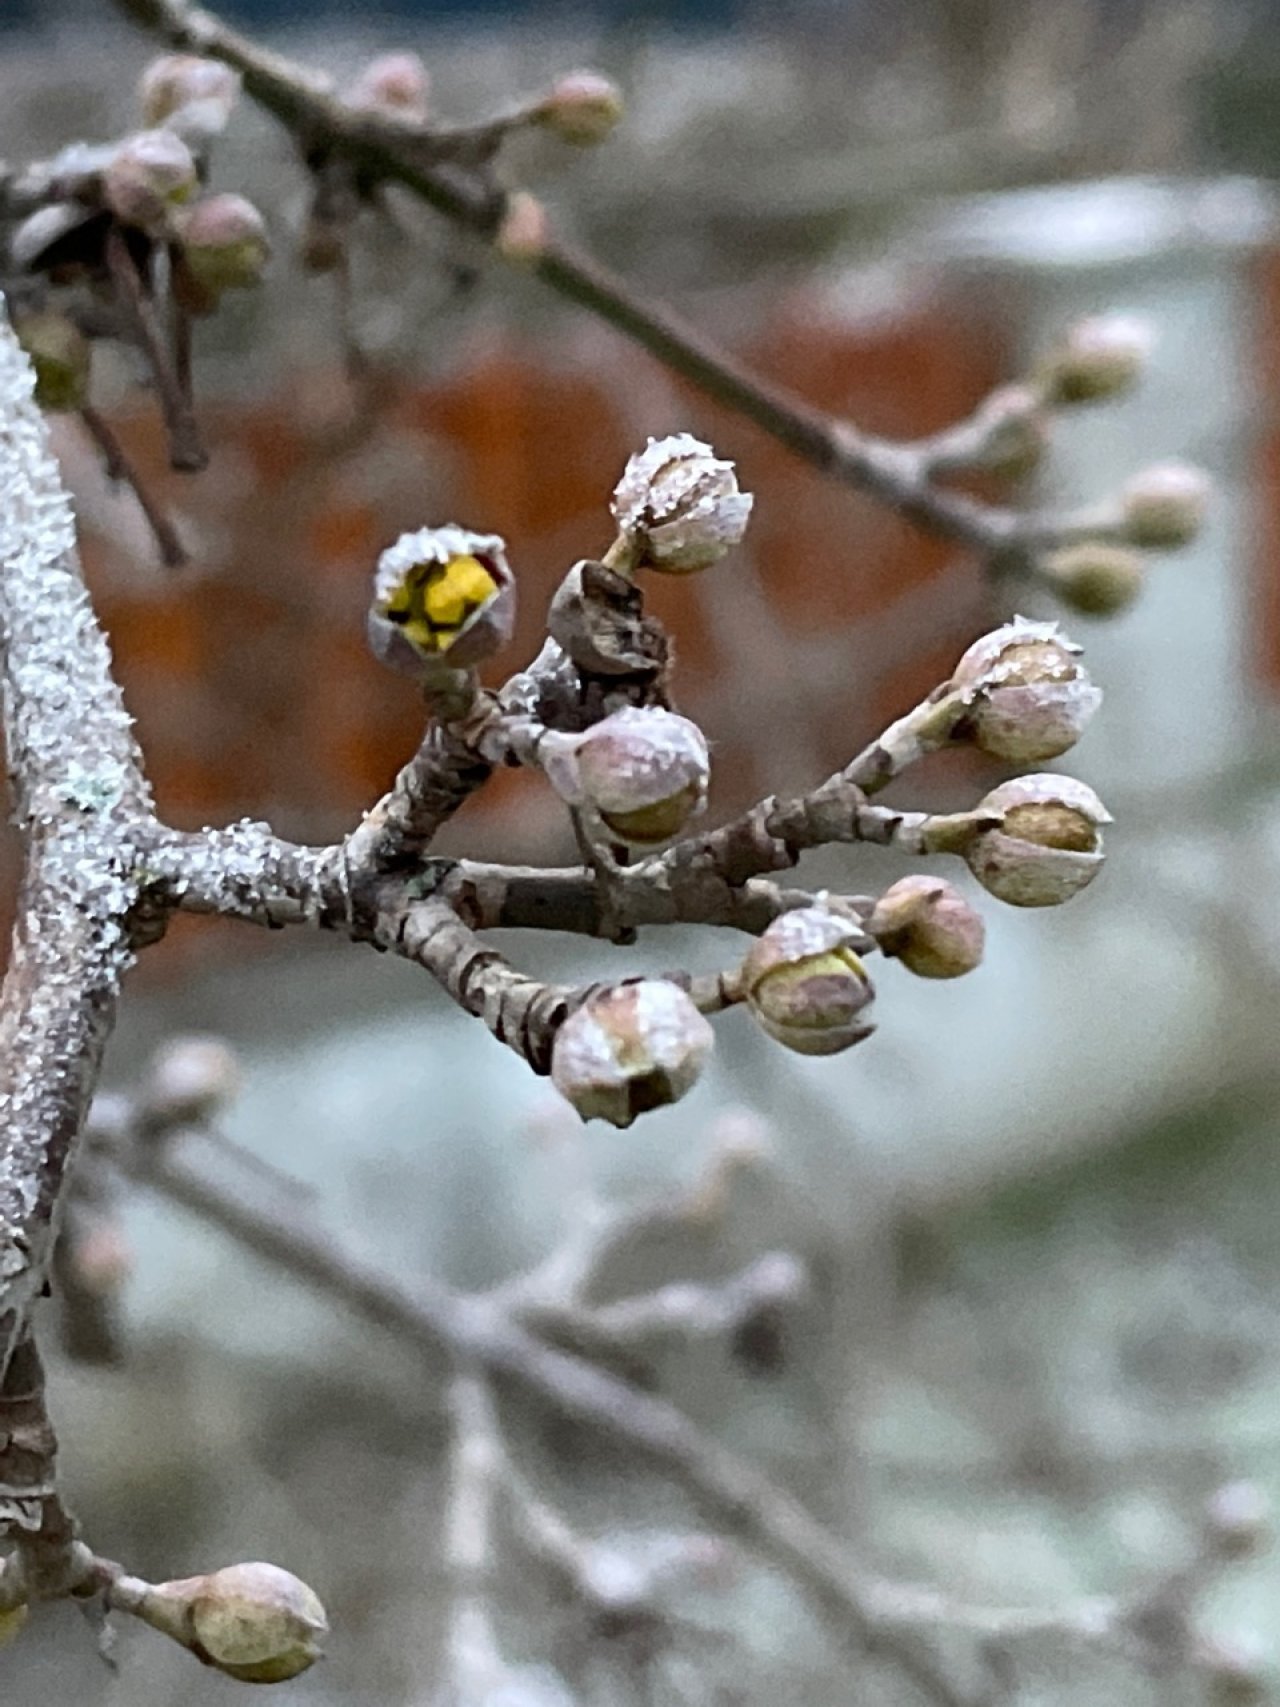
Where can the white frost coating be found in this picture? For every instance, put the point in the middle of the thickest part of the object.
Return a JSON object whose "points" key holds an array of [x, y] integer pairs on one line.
{"points": [[78, 797], [682, 501], [630, 1048]]}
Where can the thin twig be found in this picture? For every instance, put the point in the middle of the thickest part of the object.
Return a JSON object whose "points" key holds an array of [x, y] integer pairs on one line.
{"points": [[117, 466]]}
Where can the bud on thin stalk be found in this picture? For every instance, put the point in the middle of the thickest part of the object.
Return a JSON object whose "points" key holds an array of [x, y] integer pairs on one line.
{"points": [[643, 772], [1094, 578], [629, 1049], [805, 984], [1164, 506], [678, 506], [147, 177], [1048, 844], [1027, 697], [191, 1079], [254, 1622], [223, 241], [928, 925], [583, 108], [1098, 358], [443, 599]]}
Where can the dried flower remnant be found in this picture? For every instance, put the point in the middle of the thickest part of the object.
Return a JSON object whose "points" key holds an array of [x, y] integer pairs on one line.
{"points": [[927, 924], [629, 1049], [1048, 845], [1028, 698], [678, 506], [442, 597], [643, 771], [805, 982]]}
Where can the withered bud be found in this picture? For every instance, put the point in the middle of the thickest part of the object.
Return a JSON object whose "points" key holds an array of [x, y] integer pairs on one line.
{"points": [[1048, 845], [678, 505], [254, 1622], [1164, 506], [643, 771], [190, 1079], [148, 176], [1027, 697], [442, 598], [805, 983], [1238, 1520], [597, 619], [191, 96], [629, 1049], [522, 232], [1098, 358], [393, 83], [583, 108], [927, 924], [11, 1624], [1093, 577], [61, 356], [224, 244]]}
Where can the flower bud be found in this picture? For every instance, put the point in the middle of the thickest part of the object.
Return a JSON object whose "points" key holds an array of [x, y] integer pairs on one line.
{"points": [[1048, 845], [253, 1622], [582, 108], [1014, 432], [1164, 506], [629, 1049], [1238, 1520], [60, 354], [191, 96], [679, 505], [1027, 698], [11, 1624], [393, 83], [441, 597], [148, 176], [522, 233], [643, 771], [1094, 578], [927, 924], [1100, 357], [224, 244], [191, 1079], [805, 984]]}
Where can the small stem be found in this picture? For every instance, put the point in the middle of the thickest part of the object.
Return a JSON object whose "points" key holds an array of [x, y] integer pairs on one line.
{"points": [[186, 452], [117, 467]]}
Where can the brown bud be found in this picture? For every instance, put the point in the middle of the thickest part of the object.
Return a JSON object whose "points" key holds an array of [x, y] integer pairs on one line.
{"points": [[224, 244], [61, 356], [644, 772], [443, 598], [1027, 697], [582, 108], [1094, 578], [679, 506], [393, 83], [1048, 845], [1164, 506], [927, 924], [191, 96], [148, 176], [629, 1049], [1098, 358], [805, 984], [191, 1079], [597, 618]]}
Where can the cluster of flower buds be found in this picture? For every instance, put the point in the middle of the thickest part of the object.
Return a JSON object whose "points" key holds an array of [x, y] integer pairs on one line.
{"points": [[628, 1049], [1027, 696], [1046, 845], [443, 599], [805, 984], [678, 506], [253, 1622], [642, 772]]}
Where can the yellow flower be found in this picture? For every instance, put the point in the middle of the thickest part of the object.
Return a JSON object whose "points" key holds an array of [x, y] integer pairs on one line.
{"points": [[441, 595]]}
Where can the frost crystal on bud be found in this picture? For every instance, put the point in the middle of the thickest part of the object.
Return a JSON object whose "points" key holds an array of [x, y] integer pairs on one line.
{"points": [[805, 983], [645, 772], [1164, 506], [1027, 697], [679, 506], [582, 108], [629, 1049], [191, 1079], [1094, 578], [392, 83], [224, 244], [1048, 845], [192, 96], [1098, 358], [147, 177], [927, 924], [60, 354], [441, 596]]}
